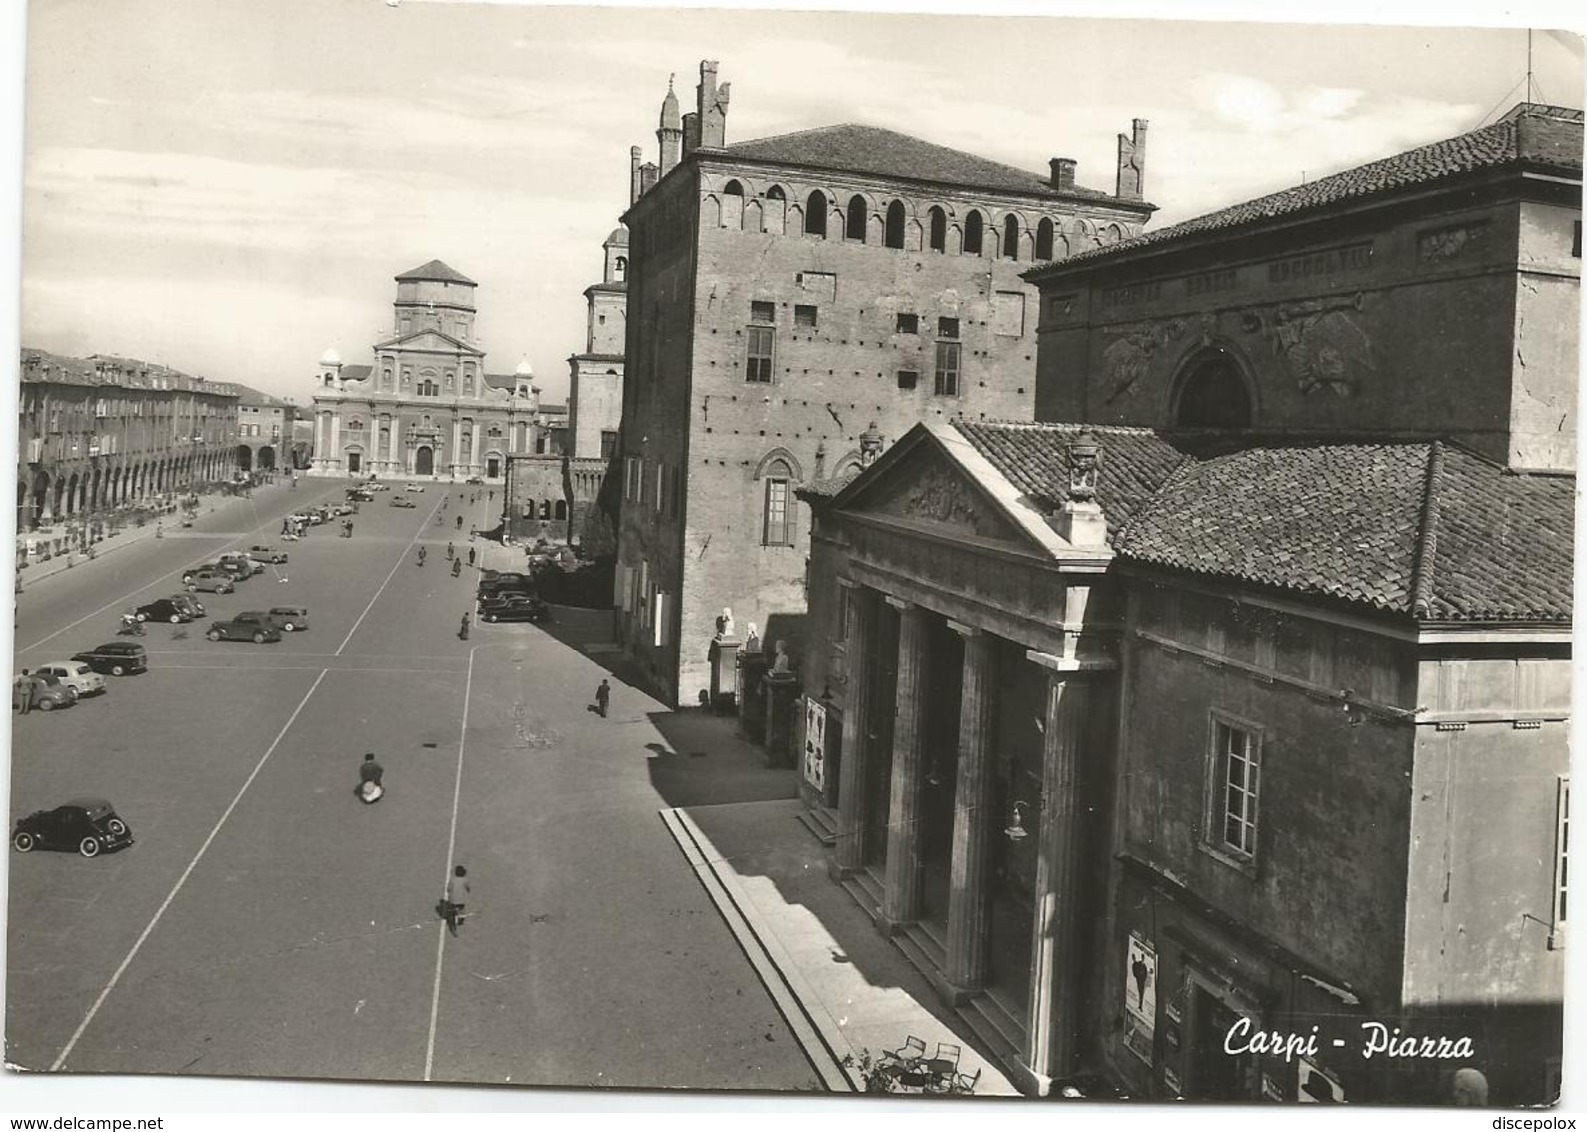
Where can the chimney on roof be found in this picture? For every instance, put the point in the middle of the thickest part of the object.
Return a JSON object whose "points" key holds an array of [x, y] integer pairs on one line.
{"points": [[711, 106], [649, 174], [634, 187], [1063, 172], [1132, 163], [691, 133]]}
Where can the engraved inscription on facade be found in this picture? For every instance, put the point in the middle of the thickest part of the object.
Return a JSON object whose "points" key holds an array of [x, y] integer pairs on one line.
{"points": [[1355, 257], [1446, 243]]}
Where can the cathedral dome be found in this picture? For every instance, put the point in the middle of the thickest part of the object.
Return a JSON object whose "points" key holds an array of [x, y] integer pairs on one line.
{"points": [[618, 237], [330, 357]]}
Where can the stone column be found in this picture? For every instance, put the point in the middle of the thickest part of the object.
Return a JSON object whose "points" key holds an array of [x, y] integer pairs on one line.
{"points": [[457, 441], [901, 898], [969, 890], [1055, 971], [335, 454], [475, 463], [850, 847], [394, 454], [319, 437]]}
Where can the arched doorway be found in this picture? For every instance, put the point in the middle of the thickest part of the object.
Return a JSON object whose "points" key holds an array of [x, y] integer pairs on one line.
{"points": [[1213, 394], [267, 459], [244, 458], [424, 461]]}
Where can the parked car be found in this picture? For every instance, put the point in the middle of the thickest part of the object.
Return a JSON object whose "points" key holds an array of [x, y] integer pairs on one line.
{"points": [[244, 566], [399, 501], [475, 479], [495, 582], [291, 618], [209, 580], [163, 609], [74, 674], [117, 658], [251, 626], [413, 487], [186, 601], [49, 693], [525, 608], [267, 554], [89, 825], [302, 518]]}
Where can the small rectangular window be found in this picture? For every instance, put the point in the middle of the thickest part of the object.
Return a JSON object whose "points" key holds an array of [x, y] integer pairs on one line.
{"points": [[947, 328], [906, 324], [947, 380], [908, 379], [763, 312], [804, 316], [758, 362], [1233, 787]]}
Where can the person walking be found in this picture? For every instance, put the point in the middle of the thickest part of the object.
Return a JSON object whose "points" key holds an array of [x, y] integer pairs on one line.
{"points": [[462, 630], [460, 522], [471, 553], [22, 692], [457, 894], [457, 567], [421, 556], [603, 696], [449, 550]]}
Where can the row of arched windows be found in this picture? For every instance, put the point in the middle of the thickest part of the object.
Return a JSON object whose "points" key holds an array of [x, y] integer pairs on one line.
{"points": [[939, 233]]}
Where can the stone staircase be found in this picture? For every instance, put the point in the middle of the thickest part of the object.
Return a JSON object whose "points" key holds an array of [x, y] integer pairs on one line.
{"points": [[821, 822], [1002, 1035], [866, 888]]}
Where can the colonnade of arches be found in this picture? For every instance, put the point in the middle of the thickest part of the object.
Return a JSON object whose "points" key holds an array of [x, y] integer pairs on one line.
{"points": [[894, 223], [546, 510], [46, 495]]}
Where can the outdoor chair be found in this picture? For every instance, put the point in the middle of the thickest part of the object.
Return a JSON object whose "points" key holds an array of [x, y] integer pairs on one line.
{"points": [[965, 1082], [948, 1052], [912, 1051]]}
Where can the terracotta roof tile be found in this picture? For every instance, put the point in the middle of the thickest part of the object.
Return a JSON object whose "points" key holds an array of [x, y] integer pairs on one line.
{"points": [[1531, 135], [436, 271]]}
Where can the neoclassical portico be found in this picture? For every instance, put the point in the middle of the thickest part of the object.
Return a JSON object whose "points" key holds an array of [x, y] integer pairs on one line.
{"points": [[976, 706]]}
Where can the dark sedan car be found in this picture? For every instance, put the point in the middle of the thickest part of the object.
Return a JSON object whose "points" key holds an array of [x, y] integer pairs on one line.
{"points": [[163, 609], [494, 582], [188, 602], [89, 825], [117, 658], [521, 607]]}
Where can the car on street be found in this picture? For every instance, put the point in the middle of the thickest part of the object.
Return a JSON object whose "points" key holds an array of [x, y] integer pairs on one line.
{"points": [[209, 580], [380, 487], [497, 581], [188, 603], [360, 495], [399, 501], [244, 566], [74, 674], [90, 826], [49, 693], [267, 554], [521, 607], [115, 658], [474, 479], [301, 518], [291, 618], [413, 487], [250, 626], [163, 609]]}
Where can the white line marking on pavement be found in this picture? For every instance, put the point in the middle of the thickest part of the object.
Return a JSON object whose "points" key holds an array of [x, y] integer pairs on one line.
{"points": [[451, 846], [401, 558], [191, 865]]}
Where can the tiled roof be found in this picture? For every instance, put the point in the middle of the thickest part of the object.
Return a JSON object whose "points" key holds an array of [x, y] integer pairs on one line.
{"points": [[355, 373], [110, 369], [1531, 136], [503, 380], [1035, 459], [870, 149], [827, 488], [1421, 529], [436, 271], [248, 395]]}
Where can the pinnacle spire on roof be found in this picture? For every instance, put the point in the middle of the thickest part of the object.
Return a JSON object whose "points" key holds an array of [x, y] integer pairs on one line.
{"points": [[669, 108]]}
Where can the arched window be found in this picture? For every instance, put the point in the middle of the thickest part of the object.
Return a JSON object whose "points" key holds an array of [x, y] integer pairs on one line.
{"points": [[385, 378], [775, 193], [1044, 239], [855, 228], [733, 189], [620, 268], [939, 229], [816, 214], [1213, 394], [972, 233], [777, 525], [894, 236], [1113, 234], [1011, 237], [561, 511], [428, 389]]}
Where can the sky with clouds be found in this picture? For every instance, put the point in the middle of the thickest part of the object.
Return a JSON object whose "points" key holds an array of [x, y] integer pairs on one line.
{"points": [[228, 187]]}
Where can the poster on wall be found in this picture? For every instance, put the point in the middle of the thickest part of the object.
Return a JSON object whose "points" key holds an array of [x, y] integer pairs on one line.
{"points": [[1140, 997], [815, 760], [1317, 1085]]}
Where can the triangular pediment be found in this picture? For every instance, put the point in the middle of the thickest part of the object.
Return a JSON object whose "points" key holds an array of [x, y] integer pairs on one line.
{"points": [[429, 340], [925, 487]]}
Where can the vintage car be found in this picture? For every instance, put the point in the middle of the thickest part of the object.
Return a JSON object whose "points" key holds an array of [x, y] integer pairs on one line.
{"points": [[251, 626], [291, 618], [399, 501], [267, 554], [209, 580], [518, 607], [163, 609], [189, 603], [74, 674], [475, 479], [91, 826], [49, 693], [116, 658], [244, 566], [413, 487]]}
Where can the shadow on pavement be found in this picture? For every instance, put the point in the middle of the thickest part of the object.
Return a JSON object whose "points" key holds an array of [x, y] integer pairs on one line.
{"points": [[702, 763]]}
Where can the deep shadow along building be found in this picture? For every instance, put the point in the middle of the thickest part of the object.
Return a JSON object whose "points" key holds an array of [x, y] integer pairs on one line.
{"points": [[1232, 697], [787, 297]]}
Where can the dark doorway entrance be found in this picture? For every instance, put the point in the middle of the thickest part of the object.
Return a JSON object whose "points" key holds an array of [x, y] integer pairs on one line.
{"points": [[244, 458], [355, 461], [1213, 395], [1215, 1075], [267, 459], [424, 461], [944, 695], [492, 466], [879, 742]]}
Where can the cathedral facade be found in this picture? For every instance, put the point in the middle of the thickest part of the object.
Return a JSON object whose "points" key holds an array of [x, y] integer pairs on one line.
{"points": [[426, 407]]}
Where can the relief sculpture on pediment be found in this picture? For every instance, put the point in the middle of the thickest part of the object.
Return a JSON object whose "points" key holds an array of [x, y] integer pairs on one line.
{"points": [[940, 497]]}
